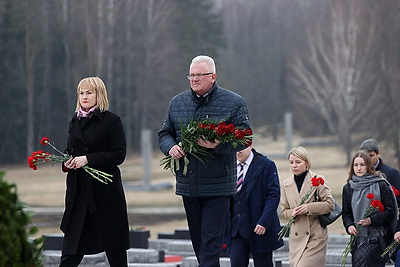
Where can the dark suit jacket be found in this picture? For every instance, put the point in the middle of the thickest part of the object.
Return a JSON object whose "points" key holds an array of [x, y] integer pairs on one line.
{"points": [[392, 175], [95, 217], [257, 203]]}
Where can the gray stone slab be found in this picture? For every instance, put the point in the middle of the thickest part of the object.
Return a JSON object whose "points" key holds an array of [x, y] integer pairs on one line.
{"points": [[338, 239], [160, 244], [142, 255], [52, 258], [334, 256], [180, 245]]}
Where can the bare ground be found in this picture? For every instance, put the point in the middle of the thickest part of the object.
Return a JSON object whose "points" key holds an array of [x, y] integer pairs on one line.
{"points": [[46, 186]]}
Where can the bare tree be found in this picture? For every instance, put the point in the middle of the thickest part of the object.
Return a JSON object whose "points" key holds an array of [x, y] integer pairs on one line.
{"points": [[336, 78], [157, 20], [389, 20]]}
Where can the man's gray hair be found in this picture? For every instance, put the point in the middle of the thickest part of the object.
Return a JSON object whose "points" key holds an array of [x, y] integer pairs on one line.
{"points": [[208, 60], [370, 145]]}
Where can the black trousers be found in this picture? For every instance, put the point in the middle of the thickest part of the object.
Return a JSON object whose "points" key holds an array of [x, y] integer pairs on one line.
{"points": [[116, 258], [240, 253], [206, 218]]}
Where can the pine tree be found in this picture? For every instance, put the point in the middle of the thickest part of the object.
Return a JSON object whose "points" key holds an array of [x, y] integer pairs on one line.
{"points": [[16, 250]]}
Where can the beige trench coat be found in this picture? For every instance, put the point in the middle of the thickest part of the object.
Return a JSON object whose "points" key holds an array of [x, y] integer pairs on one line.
{"points": [[307, 239]]}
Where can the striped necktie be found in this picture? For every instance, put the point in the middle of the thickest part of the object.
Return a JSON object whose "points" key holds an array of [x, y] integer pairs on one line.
{"points": [[240, 176]]}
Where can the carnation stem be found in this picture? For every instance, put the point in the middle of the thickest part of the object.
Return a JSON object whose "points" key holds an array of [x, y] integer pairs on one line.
{"points": [[97, 174], [56, 149]]}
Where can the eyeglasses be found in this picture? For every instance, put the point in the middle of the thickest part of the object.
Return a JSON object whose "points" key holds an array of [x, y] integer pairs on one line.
{"points": [[198, 75]]}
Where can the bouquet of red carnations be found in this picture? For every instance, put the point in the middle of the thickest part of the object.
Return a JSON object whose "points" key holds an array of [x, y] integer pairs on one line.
{"points": [[207, 130], [40, 157], [374, 206]]}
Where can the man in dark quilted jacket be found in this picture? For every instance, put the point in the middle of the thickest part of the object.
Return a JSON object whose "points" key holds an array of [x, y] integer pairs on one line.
{"points": [[208, 185]]}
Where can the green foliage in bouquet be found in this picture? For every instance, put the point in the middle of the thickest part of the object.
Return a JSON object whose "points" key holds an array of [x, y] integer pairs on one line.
{"points": [[16, 248]]}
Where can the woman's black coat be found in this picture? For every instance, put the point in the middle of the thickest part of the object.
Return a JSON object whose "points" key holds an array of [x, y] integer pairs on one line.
{"points": [[378, 218], [95, 217]]}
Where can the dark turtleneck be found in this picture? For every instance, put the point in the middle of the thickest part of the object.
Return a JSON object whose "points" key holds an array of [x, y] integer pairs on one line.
{"points": [[299, 179]]}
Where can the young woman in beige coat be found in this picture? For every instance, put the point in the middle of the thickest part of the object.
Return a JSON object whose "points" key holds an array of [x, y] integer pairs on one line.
{"points": [[307, 238]]}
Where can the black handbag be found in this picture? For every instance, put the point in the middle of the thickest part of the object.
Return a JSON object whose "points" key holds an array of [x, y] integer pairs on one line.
{"points": [[329, 218]]}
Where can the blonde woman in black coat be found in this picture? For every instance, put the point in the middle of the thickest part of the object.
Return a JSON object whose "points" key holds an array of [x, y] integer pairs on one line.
{"points": [[95, 217]]}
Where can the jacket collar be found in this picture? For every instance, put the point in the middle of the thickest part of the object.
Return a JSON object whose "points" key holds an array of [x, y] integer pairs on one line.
{"points": [[291, 187], [198, 98], [95, 115], [253, 170], [75, 129]]}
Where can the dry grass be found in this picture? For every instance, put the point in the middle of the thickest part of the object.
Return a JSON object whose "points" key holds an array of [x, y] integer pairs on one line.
{"points": [[46, 186]]}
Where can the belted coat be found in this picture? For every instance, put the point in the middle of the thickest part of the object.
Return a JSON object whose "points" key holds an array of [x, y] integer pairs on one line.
{"points": [[95, 217], [307, 239]]}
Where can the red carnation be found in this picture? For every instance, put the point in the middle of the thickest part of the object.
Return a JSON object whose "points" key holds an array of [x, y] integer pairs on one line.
{"points": [[230, 128], [44, 141], [248, 131], [381, 207], [224, 246], [221, 129], [378, 205], [239, 134], [317, 181], [370, 196], [31, 162], [211, 126], [395, 191]]}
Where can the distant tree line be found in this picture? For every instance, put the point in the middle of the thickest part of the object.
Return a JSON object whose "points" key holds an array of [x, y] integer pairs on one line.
{"points": [[141, 49], [334, 64]]}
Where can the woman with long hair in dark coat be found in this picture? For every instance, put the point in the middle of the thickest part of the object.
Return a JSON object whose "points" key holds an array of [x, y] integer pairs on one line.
{"points": [[374, 232]]}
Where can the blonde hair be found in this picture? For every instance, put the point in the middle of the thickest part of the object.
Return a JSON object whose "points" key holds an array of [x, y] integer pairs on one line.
{"points": [[96, 84], [301, 153]]}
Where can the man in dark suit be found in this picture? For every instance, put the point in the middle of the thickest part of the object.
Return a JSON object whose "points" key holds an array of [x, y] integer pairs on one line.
{"points": [[254, 218], [392, 175]]}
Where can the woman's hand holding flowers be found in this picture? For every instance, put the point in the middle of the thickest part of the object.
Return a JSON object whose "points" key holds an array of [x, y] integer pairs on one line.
{"points": [[352, 230], [40, 157], [76, 163], [68, 163], [365, 222], [302, 209]]}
